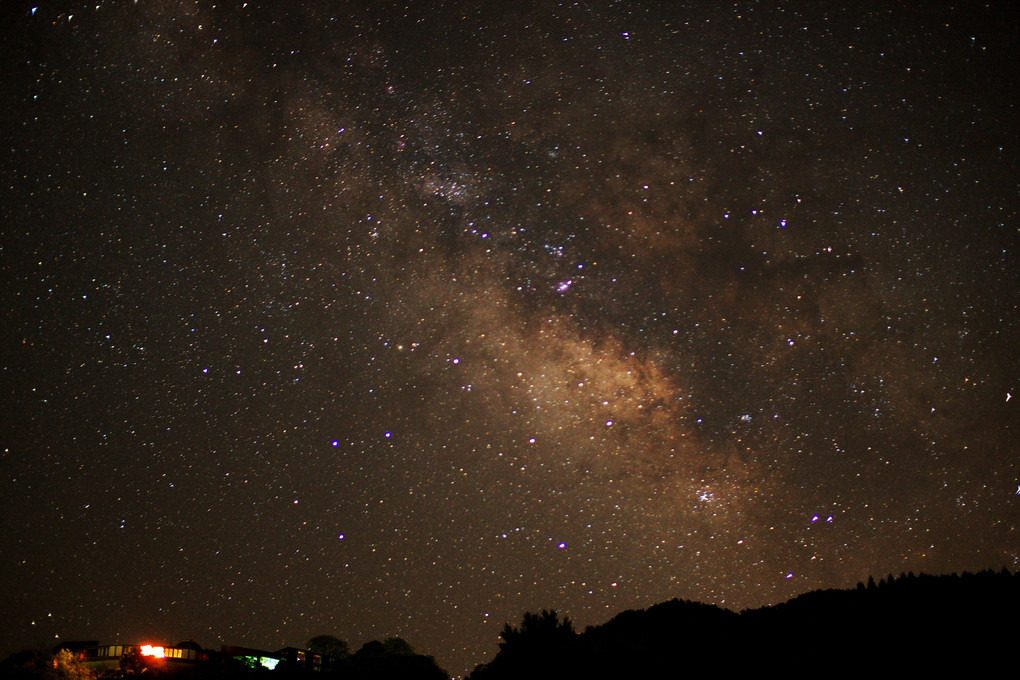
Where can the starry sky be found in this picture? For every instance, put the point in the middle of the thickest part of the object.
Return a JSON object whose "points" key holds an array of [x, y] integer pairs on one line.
{"points": [[380, 318]]}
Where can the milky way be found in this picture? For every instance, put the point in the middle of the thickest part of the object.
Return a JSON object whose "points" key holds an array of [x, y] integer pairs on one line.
{"points": [[391, 320]]}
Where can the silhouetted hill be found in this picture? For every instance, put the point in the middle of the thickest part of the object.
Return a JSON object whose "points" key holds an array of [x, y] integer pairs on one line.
{"points": [[908, 624]]}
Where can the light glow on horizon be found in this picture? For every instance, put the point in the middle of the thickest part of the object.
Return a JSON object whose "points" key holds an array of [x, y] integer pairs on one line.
{"points": [[157, 652]]}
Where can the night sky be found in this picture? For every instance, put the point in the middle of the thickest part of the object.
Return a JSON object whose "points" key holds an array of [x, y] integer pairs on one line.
{"points": [[375, 318]]}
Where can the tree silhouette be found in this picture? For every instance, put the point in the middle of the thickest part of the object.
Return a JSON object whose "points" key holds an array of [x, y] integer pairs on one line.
{"points": [[373, 649], [333, 650], [395, 646], [541, 647], [536, 633], [393, 659]]}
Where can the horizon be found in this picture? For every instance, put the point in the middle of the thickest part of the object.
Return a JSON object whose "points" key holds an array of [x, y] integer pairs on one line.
{"points": [[157, 643]]}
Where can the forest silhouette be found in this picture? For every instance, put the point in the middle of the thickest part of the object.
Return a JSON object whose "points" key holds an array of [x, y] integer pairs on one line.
{"points": [[910, 624], [898, 625]]}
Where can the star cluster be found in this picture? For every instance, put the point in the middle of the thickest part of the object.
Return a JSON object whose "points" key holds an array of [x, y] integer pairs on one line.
{"points": [[406, 318]]}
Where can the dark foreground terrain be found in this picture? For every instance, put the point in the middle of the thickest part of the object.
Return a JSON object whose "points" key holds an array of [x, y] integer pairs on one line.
{"points": [[899, 625], [902, 626]]}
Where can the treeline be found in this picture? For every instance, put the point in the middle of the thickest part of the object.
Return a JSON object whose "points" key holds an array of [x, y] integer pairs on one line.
{"points": [[909, 625], [392, 658]]}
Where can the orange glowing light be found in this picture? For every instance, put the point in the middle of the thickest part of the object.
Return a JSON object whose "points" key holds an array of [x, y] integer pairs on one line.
{"points": [[149, 650]]}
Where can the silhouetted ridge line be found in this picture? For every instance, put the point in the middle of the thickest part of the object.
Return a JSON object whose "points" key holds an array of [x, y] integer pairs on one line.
{"points": [[910, 623]]}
